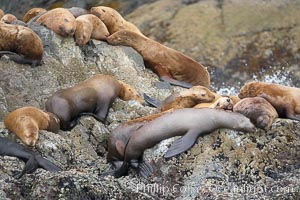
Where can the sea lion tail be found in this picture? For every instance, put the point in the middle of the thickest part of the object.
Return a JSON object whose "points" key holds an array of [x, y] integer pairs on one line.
{"points": [[152, 101]]}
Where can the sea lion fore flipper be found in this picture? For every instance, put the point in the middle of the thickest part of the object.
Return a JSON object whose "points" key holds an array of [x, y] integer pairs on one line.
{"points": [[46, 164], [152, 101], [175, 82], [182, 144], [30, 166]]}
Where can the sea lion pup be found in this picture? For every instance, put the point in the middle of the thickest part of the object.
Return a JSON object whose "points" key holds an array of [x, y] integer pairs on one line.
{"points": [[113, 20], [128, 142], [170, 65], [27, 121], [184, 99], [89, 27], [33, 160], [258, 110], [8, 18], [76, 11], [286, 100], [60, 20], [21, 44], [93, 96], [32, 13], [224, 103]]}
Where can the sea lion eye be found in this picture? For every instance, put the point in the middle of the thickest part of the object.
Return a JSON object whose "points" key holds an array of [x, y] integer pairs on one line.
{"points": [[218, 104], [203, 95], [103, 10]]}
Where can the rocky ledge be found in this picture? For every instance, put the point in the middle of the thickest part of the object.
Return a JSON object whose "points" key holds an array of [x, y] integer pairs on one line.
{"points": [[223, 164]]}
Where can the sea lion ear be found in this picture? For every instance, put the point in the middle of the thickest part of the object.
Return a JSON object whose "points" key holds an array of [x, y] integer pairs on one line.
{"points": [[120, 147]]}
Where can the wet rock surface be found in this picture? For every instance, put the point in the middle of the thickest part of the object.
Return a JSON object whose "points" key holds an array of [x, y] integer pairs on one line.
{"points": [[224, 164]]}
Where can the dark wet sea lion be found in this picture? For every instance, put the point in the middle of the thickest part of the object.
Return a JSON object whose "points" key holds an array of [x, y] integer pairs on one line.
{"points": [[33, 160], [89, 27], [60, 20], [20, 44], [286, 100], [32, 13], [93, 96], [113, 20], [258, 110], [128, 141], [169, 64]]}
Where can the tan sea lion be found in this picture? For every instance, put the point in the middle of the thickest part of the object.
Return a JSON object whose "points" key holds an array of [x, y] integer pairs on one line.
{"points": [[8, 18], [76, 11], [128, 141], [93, 96], [27, 121], [1, 13], [169, 64], [26, 44], [33, 159], [113, 20], [32, 13], [258, 110], [89, 27], [60, 20], [224, 103], [286, 100]]}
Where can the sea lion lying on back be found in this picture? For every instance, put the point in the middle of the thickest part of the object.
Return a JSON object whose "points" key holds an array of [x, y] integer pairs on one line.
{"points": [[89, 27], [33, 160], [27, 121], [93, 96], [60, 20], [184, 99], [169, 64], [20, 44], [258, 110], [128, 141], [286, 100], [113, 20]]}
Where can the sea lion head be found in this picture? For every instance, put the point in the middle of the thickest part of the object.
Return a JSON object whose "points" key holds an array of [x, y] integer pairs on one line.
{"points": [[108, 15], [224, 103], [54, 123], [242, 123], [30, 137], [81, 34], [249, 90], [8, 18], [264, 122], [127, 92], [200, 93], [32, 13]]}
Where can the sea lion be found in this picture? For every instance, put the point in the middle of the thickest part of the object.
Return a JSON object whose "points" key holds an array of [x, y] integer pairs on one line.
{"points": [[93, 96], [113, 20], [8, 18], [76, 11], [184, 99], [170, 65], [89, 27], [128, 142], [286, 100], [60, 20], [32, 13], [258, 110], [26, 44], [1, 13], [224, 103], [33, 160], [27, 121]]}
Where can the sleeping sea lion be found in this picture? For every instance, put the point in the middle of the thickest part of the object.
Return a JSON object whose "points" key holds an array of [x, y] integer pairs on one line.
{"points": [[33, 160], [93, 96], [113, 20], [89, 27], [286, 100], [32, 13], [258, 110], [170, 65], [128, 141], [8, 18], [27, 121], [20, 44], [224, 103]]}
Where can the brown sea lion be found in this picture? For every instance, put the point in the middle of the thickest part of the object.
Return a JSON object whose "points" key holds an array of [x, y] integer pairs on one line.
{"points": [[89, 27], [93, 96], [128, 142], [76, 11], [27, 121], [33, 159], [258, 110], [1, 13], [113, 20], [224, 103], [8, 18], [32, 13], [286, 100], [26, 44], [60, 20], [169, 64]]}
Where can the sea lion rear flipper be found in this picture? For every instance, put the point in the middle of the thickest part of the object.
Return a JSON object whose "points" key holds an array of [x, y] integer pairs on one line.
{"points": [[46, 164], [121, 171], [30, 166], [150, 100], [145, 169], [175, 82], [182, 144]]}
